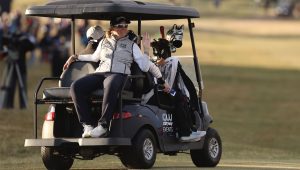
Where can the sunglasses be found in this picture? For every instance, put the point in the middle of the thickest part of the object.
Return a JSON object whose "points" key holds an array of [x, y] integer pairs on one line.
{"points": [[121, 26]]}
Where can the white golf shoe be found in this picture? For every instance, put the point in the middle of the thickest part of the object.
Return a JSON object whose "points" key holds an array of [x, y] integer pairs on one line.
{"points": [[97, 132], [194, 136], [200, 133], [86, 131]]}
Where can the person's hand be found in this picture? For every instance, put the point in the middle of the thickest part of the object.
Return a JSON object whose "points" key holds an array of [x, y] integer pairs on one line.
{"points": [[71, 59], [160, 62], [167, 88], [146, 43]]}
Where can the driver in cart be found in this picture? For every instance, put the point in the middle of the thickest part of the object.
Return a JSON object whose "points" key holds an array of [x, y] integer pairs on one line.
{"points": [[116, 53]]}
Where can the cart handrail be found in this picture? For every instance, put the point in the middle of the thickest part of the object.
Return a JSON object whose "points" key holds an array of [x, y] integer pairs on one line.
{"points": [[40, 84], [35, 102]]}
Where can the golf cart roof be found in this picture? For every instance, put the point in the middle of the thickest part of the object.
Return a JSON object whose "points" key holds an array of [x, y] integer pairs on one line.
{"points": [[105, 9]]}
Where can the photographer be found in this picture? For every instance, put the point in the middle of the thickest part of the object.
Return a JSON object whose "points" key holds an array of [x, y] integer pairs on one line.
{"points": [[17, 44]]}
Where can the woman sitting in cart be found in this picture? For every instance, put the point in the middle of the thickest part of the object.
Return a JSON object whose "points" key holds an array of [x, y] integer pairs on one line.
{"points": [[116, 53]]}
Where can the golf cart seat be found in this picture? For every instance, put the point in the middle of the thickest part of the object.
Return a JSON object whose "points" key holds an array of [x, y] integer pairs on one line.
{"points": [[133, 89]]}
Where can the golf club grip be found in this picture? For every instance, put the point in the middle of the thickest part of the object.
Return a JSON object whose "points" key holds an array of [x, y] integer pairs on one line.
{"points": [[162, 32]]}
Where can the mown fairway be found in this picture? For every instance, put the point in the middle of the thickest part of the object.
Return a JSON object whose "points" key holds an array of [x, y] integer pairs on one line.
{"points": [[250, 68]]}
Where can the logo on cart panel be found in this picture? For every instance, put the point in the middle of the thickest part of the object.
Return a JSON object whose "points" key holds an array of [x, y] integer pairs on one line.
{"points": [[167, 122]]}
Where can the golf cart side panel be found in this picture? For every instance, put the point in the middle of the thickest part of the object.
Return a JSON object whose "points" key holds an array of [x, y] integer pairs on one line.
{"points": [[160, 123], [90, 9], [169, 136], [143, 116], [207, 118], [183, 146]]}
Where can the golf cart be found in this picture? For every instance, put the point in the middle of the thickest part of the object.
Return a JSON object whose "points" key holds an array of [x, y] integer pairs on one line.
{"points": [[138, 130]]}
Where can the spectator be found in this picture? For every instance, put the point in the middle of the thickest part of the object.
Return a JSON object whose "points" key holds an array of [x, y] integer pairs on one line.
{"points": [[217, 3], [83, 26], [32, 31], [285, 8], [46, 44], [5, 6], [18, 44], [60, 54]]}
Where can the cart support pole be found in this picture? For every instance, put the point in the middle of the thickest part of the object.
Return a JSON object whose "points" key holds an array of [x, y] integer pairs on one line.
{"points": [[140, 32], [73, 35], [197, 66], [196, 63], [35, 119]]}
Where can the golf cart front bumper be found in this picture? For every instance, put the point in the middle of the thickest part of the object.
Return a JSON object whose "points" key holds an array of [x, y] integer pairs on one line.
{"points": [[79, 141]]}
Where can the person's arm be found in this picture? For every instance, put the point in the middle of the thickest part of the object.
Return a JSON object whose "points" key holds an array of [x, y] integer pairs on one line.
{"points": [[141, 59], [95, 57], [146, 65], [154, 70], [86, 57]]}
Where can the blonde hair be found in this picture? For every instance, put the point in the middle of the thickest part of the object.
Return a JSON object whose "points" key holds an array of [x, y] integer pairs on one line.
{"points": [[108, 32]]}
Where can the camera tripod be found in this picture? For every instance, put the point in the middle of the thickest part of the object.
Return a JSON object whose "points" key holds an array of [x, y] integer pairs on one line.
{"points": [[10, 73]]}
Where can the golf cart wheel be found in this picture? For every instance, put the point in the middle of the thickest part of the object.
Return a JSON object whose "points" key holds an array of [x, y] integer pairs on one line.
{"points": [[142, 153], [54, 161], [210, 154]]}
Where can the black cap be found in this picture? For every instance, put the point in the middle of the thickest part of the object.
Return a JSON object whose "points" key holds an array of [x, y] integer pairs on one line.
{"points": [[118, 20]]}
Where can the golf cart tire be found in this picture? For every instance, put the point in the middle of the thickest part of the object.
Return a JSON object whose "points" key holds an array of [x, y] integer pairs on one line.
{"points": [[136, 155], [210, 154], [55, 161]]}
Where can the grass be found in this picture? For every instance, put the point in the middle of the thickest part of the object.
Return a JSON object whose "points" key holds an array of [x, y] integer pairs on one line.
{"points": [[250, 69], [254, 108]]}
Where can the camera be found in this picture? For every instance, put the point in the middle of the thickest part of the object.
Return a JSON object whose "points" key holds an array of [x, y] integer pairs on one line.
{"points": [[13, 43]]}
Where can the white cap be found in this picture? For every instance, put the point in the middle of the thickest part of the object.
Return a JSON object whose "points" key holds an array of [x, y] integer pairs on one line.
{"points": [[95, 32]]}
